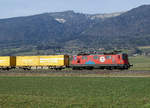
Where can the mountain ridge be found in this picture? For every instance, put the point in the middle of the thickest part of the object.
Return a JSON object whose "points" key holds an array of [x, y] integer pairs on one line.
{"points": [[77, 30]]}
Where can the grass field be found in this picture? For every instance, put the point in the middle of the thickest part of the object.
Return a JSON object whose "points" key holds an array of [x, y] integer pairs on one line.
{"points": [[144, 47], [74, 92], [140, 62]]}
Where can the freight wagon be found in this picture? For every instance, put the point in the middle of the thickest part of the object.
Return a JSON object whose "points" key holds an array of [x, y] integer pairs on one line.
{"points": [[7, 62], [54, 61], [40, 62]]}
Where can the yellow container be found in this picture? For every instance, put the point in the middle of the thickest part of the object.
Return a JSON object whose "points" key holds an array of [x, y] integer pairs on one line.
{"points": [[27, 61], [6, 61], [54, 60]]}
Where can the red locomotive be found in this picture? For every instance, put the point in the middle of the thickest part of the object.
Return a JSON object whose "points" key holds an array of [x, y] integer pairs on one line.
{"points": [[104, 61]]}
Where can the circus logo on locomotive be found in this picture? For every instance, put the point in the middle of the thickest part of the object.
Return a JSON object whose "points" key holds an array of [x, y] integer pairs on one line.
{"points": [[102, 59]]}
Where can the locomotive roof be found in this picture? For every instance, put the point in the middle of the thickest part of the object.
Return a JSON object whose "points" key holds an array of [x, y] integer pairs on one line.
{"points": [[105, 53]]}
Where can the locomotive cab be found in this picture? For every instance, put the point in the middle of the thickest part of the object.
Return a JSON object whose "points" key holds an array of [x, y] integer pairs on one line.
{"points": [[125, 60]]}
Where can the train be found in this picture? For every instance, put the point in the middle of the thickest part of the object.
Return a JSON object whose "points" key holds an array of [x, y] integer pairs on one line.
{"points": [[108, 61]]}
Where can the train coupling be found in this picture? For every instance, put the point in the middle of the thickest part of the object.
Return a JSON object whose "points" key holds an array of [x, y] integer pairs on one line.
{"points": [[131, 65]]}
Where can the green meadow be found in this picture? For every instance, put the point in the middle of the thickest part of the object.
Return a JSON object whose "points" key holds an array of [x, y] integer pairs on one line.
{"points": [[140, 62], [74, 92]]}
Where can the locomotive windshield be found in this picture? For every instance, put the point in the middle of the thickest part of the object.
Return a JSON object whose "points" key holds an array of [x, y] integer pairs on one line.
{"points": [[125, 56]]}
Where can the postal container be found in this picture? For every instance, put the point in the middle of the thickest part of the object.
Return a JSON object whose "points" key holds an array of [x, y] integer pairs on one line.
{"points": [[54, 60], [7, 61], [27, 61]]}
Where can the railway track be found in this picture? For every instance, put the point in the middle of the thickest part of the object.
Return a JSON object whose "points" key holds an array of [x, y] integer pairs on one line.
{"points": [[74, 72]]}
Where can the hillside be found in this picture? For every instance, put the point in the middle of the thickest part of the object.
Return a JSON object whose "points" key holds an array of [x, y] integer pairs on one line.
{"points": [[129, 29], [64, 30]]}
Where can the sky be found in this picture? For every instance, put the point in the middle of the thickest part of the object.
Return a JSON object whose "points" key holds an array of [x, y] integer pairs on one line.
{"points": [[15, 8]]}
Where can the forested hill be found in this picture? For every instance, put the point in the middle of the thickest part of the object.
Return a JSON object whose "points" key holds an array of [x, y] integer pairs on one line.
{"points": [[70, 29]]}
